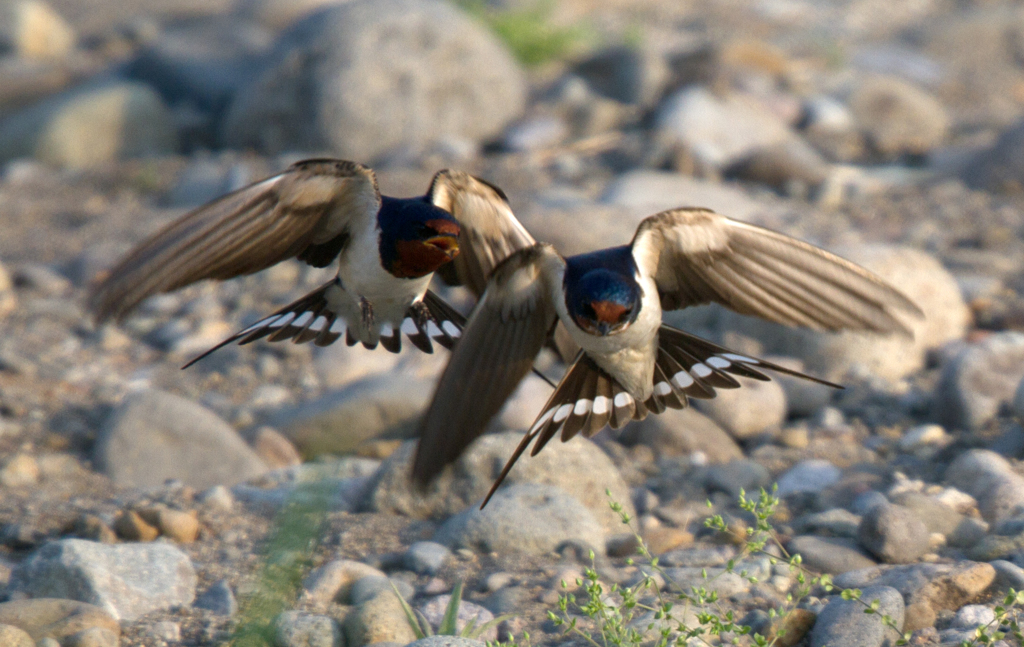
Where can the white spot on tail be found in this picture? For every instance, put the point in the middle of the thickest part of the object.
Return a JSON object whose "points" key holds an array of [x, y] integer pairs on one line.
{"points": [[563, 412], [543, 420], [623, 399], [740, 358], [319, 324], [602, 405], [409, 327], [283, 321], [451, 329], [582, 407], [682, 380], [433, 330], [338, 326], [718, 362], [700, 370], [387, 330], [258, 324], [303, 319], [662, 388]]}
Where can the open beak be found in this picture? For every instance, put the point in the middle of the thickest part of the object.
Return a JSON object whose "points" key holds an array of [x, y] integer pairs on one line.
{"points": [[447, 243]]}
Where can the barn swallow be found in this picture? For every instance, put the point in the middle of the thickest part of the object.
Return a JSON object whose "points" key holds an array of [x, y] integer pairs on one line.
{"points": [[610, 302], [319, 210]]}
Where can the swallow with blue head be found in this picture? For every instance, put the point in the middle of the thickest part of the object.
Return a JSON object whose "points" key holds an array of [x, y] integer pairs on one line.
{"points": [[625, 363], [319, 211]]}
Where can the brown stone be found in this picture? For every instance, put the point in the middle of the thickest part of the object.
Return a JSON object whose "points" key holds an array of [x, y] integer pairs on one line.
{"points": [[379, 619], [11, 636], [130, 526], [182, 527], [89, 526], [791, 628], [275, 450], [55, 618], [661, 540]]}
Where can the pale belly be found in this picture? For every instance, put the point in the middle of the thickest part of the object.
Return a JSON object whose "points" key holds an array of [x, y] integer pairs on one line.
{"points": [[628, 356], [388, 296]]}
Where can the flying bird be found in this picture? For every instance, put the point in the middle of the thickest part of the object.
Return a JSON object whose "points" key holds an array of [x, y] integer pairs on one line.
{"points": [[610, 303], [319, 210]]}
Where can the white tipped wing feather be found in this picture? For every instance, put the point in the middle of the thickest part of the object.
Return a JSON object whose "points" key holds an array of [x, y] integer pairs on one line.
{"points": [[697, 256], [490, 232], [507, 329], [304, 212]]}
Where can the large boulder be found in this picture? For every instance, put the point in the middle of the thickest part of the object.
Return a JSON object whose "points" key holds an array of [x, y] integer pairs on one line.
{"points": [[578, 467], [153, 436], [372, 76]]}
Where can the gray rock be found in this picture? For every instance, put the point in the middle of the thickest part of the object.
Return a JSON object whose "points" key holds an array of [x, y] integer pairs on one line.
{"points": [[718, 131], [126, 580], [536, 133], [385, 76], [926, 588], [681, 432], [366, 588], [524, 518], [919, 276], [644, 192], [202, 65], [866, 501], [579, 468], [829, 554], [1008, 574], [893, 533], [338, 422], [1001, 167], [219, 598], [755, 408], [90, 126], [625, 74], [898, 118], [434, 608], [843, 622], [791, 167], [426, 557], [811, 475], [981, 378], [836, 522], [936, 516], [153, 436], [300, 629], [719, 579], [988, 477], [736, 475], [973, 615], [700, 556]]}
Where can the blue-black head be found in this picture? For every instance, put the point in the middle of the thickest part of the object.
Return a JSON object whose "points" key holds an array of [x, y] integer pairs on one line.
{"points": [[416, 237], [603, 301]]}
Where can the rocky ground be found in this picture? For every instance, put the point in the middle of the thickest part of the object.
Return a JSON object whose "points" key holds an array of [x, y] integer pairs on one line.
{"points": [[145, 505]]}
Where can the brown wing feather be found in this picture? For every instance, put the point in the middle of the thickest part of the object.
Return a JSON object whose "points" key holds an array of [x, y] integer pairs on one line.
{"points": [[490, 231], [507, 329], [305, 211], [698, 256]]}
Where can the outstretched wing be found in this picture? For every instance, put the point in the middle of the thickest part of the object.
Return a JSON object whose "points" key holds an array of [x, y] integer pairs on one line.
{"points": [[490, 232], [306, 212], [507, 329], [698, 256]]}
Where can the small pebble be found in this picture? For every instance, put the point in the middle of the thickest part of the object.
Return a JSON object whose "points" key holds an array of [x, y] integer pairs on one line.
{"points": [[130, 526], [426, 557]]}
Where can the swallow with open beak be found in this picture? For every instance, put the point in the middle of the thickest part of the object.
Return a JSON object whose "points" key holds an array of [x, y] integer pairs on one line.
{"points": [[319, 210]]}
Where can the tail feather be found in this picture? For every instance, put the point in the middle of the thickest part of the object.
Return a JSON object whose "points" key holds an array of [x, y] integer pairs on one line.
{"points": [[587, 398]]}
